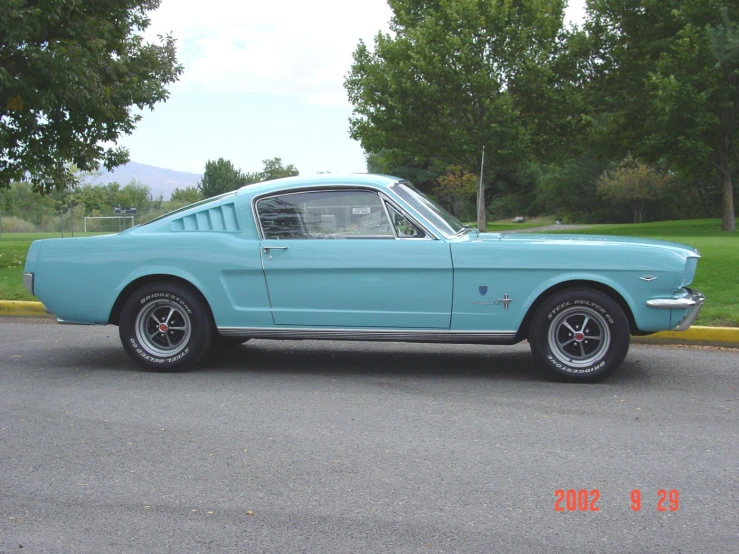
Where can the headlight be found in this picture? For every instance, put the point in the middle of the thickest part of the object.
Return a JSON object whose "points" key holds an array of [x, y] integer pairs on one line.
{"points": [[689, 272]]}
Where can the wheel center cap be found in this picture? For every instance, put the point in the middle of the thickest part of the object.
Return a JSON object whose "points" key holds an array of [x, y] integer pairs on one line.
{"points": [[579, 337], [163, 327]]}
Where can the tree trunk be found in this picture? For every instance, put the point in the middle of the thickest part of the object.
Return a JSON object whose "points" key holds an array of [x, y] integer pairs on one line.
{"points": [[482, 217], [728, 217]]}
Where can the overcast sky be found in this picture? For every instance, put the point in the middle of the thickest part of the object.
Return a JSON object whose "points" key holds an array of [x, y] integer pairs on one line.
{"points": [[261, 80]]}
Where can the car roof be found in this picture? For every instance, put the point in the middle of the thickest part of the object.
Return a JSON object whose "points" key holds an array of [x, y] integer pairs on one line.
{"points": [[333, 179]]}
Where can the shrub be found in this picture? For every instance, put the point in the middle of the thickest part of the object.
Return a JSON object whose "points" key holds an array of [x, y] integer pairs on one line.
{"points": [[17, 225]]}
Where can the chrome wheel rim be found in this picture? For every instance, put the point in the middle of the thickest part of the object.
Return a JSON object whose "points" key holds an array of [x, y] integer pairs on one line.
{"points": [[163, 327], [579, 337]]}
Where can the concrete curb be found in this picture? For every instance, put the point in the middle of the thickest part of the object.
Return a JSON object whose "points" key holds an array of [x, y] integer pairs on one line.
{"points": [[712, 336], [20, 308]]}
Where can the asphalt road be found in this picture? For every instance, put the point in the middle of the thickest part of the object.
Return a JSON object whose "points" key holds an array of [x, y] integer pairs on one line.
{"points": [[349, 447]]}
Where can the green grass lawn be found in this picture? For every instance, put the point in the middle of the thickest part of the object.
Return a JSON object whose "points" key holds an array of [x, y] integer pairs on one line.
{"points": [[12, 258], [717, 275], [718, 269]]}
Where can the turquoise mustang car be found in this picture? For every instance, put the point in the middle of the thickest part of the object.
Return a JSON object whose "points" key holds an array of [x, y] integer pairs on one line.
{"points": [[361, 257]]}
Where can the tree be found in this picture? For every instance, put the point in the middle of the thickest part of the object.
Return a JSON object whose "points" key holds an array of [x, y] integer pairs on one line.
{"points": [[188, 195], [634, 183], [92, 199], [457, 75], [423, 174], [71, 74], [725, 48], [568, 189], [220, 176], [665, 77], [456, 190], [138, 195], [273, 169]]}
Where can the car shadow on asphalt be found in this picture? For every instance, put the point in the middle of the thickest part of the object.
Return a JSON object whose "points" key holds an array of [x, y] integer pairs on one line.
{"points": [[373, 359], [334, 359], [398, 359]]}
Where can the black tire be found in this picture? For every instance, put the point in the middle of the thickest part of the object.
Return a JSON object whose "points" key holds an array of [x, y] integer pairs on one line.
{"points": [[579, 334], [165, 326]]}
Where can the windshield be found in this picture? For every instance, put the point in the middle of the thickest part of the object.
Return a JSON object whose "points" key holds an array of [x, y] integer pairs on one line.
{"points": [[195, 205], [430, 210]]}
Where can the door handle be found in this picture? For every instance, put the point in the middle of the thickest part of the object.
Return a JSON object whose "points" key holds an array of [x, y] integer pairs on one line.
{"points": [[268, 248]]}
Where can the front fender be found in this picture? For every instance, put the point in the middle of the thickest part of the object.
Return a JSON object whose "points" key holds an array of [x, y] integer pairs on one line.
{"points": [[645, 320]]}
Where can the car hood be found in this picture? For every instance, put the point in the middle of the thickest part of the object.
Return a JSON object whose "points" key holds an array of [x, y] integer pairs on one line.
{"points": [[600, 241]]}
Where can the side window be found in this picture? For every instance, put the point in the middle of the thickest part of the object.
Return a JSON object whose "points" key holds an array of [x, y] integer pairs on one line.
{"points": [[404, 228], [331, 214], [281, 219]]}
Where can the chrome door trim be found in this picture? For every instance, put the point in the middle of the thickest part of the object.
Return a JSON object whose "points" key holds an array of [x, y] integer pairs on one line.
{"points": [[404, 213], [319, 188], [390, 335]]}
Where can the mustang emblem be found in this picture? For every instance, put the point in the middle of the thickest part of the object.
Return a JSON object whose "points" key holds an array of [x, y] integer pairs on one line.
{"points": [[483, 290], [505, 301]]}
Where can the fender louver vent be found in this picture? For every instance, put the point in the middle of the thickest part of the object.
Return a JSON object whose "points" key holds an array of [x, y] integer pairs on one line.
{"points": [[221, 218]]}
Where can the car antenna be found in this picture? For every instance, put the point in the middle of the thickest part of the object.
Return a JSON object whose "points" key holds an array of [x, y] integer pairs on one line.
{"points": [[480, 192]]}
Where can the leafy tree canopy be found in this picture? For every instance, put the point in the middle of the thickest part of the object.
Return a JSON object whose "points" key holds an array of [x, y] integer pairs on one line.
{"points": [[635, 183], [665, 84], [457, 75], [456, 190], [273, 169], [423, 173], [220, 176], [188, 195], [72, 73]]}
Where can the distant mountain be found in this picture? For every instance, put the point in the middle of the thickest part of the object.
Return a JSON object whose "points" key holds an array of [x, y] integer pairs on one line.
{"points": [[162, 181]]}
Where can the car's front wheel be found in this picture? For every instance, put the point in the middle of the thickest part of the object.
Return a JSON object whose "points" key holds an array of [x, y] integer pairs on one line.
{"points": [[165, 326], [579, 334]]}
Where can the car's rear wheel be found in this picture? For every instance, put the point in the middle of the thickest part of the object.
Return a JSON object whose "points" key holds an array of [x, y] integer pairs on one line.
{"points": [[579, 334], [165, 326]]}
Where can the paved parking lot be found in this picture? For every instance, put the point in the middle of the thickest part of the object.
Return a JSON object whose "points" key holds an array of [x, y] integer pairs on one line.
{"points": [[349, 447]]}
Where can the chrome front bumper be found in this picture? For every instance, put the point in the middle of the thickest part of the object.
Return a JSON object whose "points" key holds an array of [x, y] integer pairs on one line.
{"points": [[692, 300]]}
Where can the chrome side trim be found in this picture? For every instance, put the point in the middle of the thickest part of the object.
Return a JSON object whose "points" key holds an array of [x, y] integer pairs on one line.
{"points": [[687, 300], [65, 322], [28, 282], [389, 335], [671, 303], [691, 300]]}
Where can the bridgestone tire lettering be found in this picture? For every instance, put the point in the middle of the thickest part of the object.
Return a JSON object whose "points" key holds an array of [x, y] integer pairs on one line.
{"points": [[168, 294], [601, 310]]}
